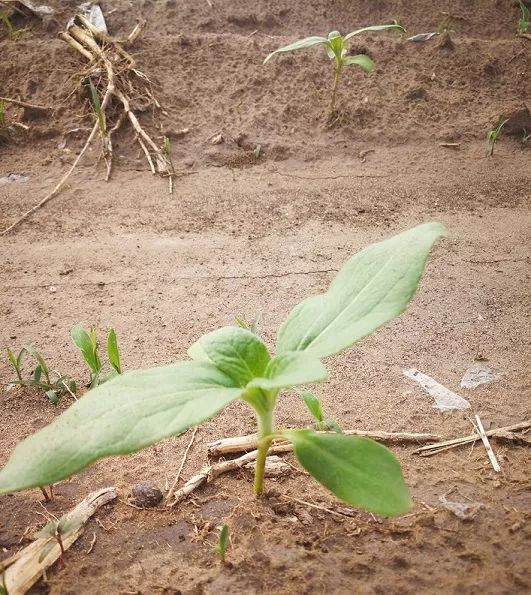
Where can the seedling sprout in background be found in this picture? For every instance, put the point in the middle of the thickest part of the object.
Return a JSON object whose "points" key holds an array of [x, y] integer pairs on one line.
{"points": [[12, 33], [139, 408], [42, 375], [3, 588], [315, 407], [492, 136], [87, 343], [523, 22], [223, 542], [337, 47]]}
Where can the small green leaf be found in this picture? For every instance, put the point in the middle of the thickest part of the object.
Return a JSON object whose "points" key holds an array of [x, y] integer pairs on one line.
{"points": [[46, 550], [34, 353], [113, 351], [12, 358], [47, 531], [314, 406], [371, 289], [52, 396], [124, 415], [373, 28], [84, 343], [360, 60], [302, 44], [290, 369], [37, 374], [357, 470], [223, 542], [236, 351]]}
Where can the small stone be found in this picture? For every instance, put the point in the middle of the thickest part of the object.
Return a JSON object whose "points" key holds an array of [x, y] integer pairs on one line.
{"points": [[52, 289], [518, 121], [217, 140], [146, 494]]}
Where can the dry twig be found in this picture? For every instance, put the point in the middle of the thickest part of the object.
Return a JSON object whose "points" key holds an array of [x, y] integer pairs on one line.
{"points": [[504, 432], [183, 461], [243, 443], [486, 444]]}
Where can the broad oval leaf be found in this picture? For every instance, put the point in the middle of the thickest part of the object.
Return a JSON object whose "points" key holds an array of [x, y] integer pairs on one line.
{"points": [[373, 28], [290, 369], [302, 44], [371, 289], [360, 60], [357, 470], [236, 351], [113, 352], [84, 343], [133, 411]]}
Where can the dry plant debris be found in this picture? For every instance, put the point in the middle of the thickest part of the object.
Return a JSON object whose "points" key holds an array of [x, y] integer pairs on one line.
{"points": [[118, 90]]}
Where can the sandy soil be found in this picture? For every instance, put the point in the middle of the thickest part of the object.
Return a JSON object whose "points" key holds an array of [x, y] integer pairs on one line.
{"points": [[242, 236]]}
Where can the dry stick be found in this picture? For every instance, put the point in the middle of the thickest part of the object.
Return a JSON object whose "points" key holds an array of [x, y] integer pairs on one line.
{"points": [[243, 443], [486, 444], [316, 506], [210, 472], [24, 104], [28, 566], [434, 449], [183, 461]]}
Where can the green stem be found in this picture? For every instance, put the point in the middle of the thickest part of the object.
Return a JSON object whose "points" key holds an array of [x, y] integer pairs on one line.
{"points": [[265, 429], [337, 76]]}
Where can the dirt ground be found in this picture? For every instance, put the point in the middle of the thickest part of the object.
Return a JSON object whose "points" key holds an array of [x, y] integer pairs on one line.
{"points": [[243, 235]]}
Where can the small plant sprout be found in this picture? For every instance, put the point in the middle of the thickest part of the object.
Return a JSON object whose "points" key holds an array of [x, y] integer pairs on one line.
{"points": [[139, 408], [3, 586], [223, 542], [42, 375], [12, 33], [337, 49], [87, 343], [315, 407], [56, 531], [523, 22], [492, 135]]}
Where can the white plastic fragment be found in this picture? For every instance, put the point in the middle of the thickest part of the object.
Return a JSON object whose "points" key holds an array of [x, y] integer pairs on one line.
{"points": [[93, 13], [422, 37], [476, 375], [12, 179], [40, 10], [445, 399], [464, 511]]}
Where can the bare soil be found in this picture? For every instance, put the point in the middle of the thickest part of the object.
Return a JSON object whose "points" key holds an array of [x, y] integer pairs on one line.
{"points": [[242, 236]]}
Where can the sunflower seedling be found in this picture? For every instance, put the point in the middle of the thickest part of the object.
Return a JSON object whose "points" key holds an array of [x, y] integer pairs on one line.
{"points": [[336, 47], [139, 408], [42, 375], [223, 542], [523, 22], [492, 136], [87, 343]]}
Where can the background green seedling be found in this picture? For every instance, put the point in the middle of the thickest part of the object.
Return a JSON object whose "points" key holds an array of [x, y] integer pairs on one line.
{"points": [[523, 22], [223, 542], [42, 375], [315, 407], [337, 49], [87, 343], [139, 408], [492, 136]]}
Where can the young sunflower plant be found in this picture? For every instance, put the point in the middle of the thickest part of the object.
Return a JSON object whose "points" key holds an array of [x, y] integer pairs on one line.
{"points": [[336, 46]]}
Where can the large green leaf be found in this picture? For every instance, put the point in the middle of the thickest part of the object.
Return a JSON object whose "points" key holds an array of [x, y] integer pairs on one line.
{"points": [[357, 470], [302, 44], [130, 412], [373, 28], [360, 60], [236, 351], [370, 289], [290, 369]]}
